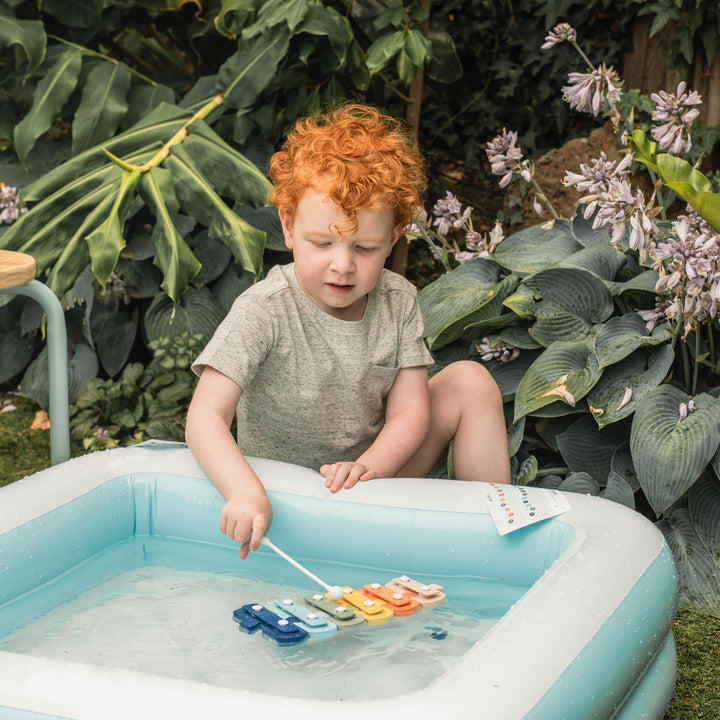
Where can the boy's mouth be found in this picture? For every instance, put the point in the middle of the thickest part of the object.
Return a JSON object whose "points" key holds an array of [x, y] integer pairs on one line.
{"points": [[341, 289]]}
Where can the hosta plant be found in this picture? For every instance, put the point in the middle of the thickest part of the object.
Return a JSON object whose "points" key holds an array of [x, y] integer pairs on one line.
{"points": [[601, 329]]}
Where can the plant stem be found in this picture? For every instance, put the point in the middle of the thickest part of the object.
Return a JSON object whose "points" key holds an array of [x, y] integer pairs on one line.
{"points": [[686, 364], [96, 54], [582, 54], [544, 198], [697, 363]]}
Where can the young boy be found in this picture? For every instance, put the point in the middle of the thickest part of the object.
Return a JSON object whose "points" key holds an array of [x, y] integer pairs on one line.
{"points": [[323, 361]]}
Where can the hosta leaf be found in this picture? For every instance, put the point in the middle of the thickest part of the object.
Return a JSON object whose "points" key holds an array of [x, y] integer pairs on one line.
{"points": [[115, 339], [508, 375], [669, 454], [17, 352], [565, 371], [646, 280], [704, 509], [457, 299], [622, 335], [569, 302], [29, 34], [585, 448], [617, 393], [602, 260], [622, 465], [698, 576], [618, 490], [172, 254], [536, 248], [200, 201], [213, 256], [267, 220], [51, 93], [584, 233], [102, 106], [197, 313], [106, 242], [580, 482]]}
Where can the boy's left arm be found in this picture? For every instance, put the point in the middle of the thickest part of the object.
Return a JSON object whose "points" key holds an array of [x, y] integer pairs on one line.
{"points": [[407, 420]]}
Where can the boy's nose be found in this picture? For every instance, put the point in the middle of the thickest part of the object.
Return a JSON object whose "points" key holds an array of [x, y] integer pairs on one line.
{"points": [[343, 261]]}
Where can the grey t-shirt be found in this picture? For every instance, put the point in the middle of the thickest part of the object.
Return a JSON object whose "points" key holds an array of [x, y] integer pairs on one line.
{"points": [[313, 386]]}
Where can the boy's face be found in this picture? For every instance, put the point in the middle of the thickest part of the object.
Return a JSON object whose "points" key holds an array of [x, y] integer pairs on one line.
{"points": [[337, 272]]}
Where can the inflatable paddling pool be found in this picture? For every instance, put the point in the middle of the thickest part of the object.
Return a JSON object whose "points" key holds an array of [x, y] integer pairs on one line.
{"points": [[567, 618]]}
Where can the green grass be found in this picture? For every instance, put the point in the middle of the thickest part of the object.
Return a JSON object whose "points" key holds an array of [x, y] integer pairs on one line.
{"points": [[697, 695]]}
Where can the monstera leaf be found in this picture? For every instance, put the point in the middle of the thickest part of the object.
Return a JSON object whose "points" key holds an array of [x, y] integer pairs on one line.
{"points": [[670, 451]]}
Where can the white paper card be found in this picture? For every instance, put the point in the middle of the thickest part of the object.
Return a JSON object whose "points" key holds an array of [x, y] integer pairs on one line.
{"points": [[514, 506]]}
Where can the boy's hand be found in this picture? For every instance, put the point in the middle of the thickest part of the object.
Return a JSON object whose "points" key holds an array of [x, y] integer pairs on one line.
{"points": [[345, 475], [246, 518]]}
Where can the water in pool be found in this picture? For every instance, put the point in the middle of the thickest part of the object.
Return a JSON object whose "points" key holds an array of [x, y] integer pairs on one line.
{"points": [[164, 607]]}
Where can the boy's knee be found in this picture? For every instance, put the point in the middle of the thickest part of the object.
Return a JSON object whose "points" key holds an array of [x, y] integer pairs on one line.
{"points": [[471, 379]]}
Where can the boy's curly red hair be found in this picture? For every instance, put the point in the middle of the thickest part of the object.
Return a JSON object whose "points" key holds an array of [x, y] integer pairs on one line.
{"points": [[356, 156]]}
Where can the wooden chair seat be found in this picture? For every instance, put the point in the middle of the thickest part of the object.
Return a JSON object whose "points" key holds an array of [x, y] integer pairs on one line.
{"points": [[16, 268]]}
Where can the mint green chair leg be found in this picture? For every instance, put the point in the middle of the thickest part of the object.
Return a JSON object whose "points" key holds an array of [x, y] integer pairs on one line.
{"points": [[57, 366]]}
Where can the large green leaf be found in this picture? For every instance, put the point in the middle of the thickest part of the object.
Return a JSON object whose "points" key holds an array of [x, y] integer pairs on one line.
{"points": [[619, 490], [197, 313], [679, 175], [383, 50], [699, 579], [617, 393], [569, 303], [565, 371], [172, 254], [51, 93], [106, 242], [537, 247], [585, 448], [458, 298], [200, 201], [603, 260], [622, 335], [326, 21], [704, 509], [669, 453], [244, 75], [232, 174], [102, 106], [28, 34], [509, 375]]}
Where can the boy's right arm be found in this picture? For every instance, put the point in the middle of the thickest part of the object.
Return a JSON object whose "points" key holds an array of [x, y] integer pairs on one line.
{"points": [[247, 514]]}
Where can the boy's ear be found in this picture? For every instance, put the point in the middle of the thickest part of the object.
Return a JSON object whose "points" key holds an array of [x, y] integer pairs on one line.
{"points": [[287, 229]]}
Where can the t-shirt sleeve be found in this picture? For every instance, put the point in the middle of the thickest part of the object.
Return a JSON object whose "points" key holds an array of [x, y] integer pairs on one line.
{"points": [[412, 350], [240, 343]]}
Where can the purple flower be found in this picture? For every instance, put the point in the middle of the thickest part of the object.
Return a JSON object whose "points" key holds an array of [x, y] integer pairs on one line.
{"points": [[677, 111], [502, 351], [591, 92], [9, 200], [562, 31], [505, 158]]}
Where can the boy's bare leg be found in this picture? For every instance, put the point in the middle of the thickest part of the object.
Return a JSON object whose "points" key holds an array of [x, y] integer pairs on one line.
{"points": [[465, 407]]}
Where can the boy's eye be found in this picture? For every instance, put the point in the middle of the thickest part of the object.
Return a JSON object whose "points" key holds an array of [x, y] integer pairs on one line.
{"points": [[367, 249]]}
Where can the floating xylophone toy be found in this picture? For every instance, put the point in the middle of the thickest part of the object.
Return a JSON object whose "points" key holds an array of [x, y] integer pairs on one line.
{"points": [[289, 622]]}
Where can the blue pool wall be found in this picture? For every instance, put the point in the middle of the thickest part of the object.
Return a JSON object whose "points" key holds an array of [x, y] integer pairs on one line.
{"points": [[172, 506]]}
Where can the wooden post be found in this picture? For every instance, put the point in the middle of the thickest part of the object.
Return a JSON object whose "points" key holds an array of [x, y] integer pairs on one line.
{"points": [[412, 116]]}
